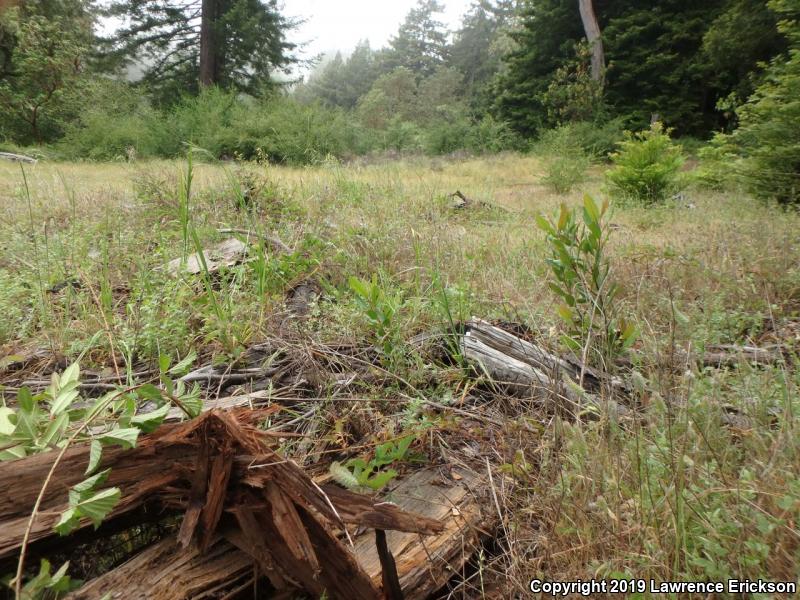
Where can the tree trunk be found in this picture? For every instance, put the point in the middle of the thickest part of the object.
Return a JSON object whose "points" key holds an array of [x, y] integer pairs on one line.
{"points": [[592, 29], [208, 51]]}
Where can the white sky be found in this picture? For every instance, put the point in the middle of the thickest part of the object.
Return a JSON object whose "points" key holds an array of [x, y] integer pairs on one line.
{"points": [[339, 24]]}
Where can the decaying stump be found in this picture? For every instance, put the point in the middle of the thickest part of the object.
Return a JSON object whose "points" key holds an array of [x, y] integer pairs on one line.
{"points": [[243, 505], [424, 564]]}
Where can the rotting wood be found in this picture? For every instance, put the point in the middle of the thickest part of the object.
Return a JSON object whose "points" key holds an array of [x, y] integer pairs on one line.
{"points": [[426, 564], [525, 369], [167, 571], [389, 577], [216, 464], [17, 158], [730, 355]]}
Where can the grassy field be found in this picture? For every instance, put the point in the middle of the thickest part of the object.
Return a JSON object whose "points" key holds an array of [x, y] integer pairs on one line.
{"points": [[682, 491]]}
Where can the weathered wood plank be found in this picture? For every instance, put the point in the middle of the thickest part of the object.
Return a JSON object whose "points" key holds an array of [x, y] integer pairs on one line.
{"points": [[425, 564]]}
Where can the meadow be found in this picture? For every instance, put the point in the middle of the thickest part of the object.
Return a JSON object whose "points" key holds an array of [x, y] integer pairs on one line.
{"points": [[701, 483]]}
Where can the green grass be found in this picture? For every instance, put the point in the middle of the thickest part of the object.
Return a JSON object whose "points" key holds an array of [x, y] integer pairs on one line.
{"points": [[676, 495]]}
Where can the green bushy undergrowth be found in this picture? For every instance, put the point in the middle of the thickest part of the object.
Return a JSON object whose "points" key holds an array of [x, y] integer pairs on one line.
{"points": [[121, 125], [596, 140], [564, 159], [768, 137]]}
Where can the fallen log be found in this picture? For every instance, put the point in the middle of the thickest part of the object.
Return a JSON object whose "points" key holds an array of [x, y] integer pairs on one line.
{"points": [[731, 355], [524, 369], [274, 241], [17, 158]]}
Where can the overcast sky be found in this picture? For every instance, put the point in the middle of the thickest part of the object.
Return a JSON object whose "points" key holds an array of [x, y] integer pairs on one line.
{"points": [[339, 24]]}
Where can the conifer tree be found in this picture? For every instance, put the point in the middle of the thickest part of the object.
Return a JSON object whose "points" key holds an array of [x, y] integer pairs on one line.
{"points": [[181, 45]]}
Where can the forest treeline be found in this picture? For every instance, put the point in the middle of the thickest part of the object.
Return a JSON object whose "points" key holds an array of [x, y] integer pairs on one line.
{"points": [[218, 74]]}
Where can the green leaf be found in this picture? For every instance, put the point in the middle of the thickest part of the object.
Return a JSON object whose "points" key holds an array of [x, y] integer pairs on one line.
{"points": [[13, 453], [69, 520], [150, 392], [100, 405], [25, 400], [98, 506], [125, 437], [192, 401], [6, 426], [91, 482], [95, 454], [183, 366], [70, 375], [63, 400], [55, 430], [565, 312], [545, 225], [591, 208], [28, 415], [150, 421], [381, 479], [563, 217], [163, 363]]}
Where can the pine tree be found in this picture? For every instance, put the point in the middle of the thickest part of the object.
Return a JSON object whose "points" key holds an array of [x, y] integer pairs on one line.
{"points": [[421, 42], [238, 43], [342, 82], [768, 137], [675, 59], [474, 51], [545, 42]]}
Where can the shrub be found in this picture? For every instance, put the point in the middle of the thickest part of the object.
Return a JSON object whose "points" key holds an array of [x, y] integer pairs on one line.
{"points": [[769, 132], [565, 162], [717, 164], [491, 135], [597, 140], [646, 167], [582, 274], [117, 123]]}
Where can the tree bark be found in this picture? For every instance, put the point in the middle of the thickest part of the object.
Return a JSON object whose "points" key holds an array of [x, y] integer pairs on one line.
{"points": [[208, 51], [592, 29]]}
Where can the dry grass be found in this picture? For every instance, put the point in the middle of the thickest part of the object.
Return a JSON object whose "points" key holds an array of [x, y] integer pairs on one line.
{"points": [[674, 495]]}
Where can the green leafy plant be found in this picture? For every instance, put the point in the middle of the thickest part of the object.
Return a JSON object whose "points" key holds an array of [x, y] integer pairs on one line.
{"points": [[58, 417], [47, 584], [646, 167], [582, 280], [564, 159], [358, 473], [380, 309]]}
